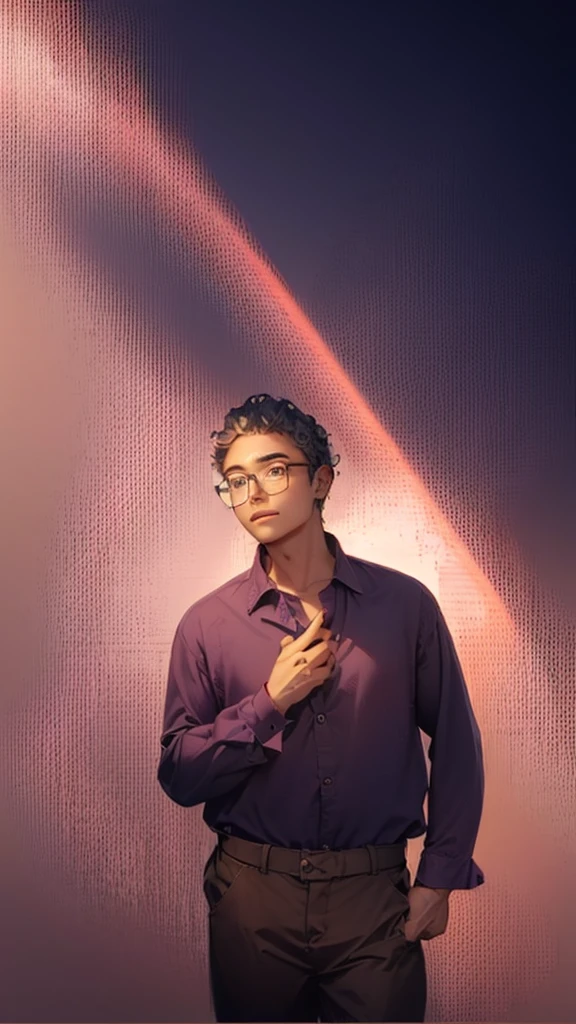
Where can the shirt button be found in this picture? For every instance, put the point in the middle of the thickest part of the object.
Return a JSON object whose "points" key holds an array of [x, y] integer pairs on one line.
{"points": [[321, 718], [327, 781]]}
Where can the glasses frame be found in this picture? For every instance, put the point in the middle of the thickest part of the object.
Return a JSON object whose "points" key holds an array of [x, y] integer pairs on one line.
{"points": [[256, 476]]}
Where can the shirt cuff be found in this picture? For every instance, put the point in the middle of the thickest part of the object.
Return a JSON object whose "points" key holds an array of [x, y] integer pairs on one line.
{"points": [[265, 720], [437, 872]]}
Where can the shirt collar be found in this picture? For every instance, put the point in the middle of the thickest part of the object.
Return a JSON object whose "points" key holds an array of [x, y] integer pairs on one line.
{"points": [[259, 583]]}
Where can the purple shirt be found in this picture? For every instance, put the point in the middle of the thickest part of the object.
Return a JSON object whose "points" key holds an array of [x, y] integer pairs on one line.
{"points": [[345, 766]]}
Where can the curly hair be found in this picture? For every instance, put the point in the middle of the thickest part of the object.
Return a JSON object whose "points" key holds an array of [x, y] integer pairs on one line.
{"points": [[262, 414]]}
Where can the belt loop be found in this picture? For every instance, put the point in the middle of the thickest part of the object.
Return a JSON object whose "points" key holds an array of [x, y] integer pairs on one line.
{"points": [[373, 861], [265, 857]]}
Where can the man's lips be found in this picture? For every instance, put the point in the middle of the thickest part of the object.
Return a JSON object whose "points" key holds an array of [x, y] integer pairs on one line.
{"points": [[260, 515]]}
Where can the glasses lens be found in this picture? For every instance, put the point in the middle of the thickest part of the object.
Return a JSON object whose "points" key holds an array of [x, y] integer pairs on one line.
{"points": [[235, 491], [275, 478], [238, 489], [224, 493]]}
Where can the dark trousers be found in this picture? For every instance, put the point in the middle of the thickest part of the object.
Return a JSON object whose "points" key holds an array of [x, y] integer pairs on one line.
{"points": [[297, 935]]}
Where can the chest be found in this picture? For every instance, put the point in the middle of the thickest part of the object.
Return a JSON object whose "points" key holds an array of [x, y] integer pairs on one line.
{"points": [[374, 671]]}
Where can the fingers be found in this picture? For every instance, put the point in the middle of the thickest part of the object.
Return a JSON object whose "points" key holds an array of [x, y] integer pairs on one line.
{"points": [[313, 631], [324, 655], [321, 674], [316, 657], [309, 643], [315, 625]]}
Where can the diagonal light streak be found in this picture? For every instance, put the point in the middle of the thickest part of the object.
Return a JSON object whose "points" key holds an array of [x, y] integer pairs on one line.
{"points": [[56, 88]]}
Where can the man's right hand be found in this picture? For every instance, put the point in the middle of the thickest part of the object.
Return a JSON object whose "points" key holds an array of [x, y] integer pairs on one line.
{"points": [[289, 681]]}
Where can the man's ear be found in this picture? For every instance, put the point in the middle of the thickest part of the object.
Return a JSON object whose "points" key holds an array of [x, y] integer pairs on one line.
{"points": [[324, 479]]}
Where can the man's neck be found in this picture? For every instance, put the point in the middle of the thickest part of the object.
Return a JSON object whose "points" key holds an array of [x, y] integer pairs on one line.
{"points": [[301, 563]]}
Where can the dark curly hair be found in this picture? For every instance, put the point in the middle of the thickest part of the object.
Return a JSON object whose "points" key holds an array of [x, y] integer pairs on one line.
{"points": [[262, 414]]}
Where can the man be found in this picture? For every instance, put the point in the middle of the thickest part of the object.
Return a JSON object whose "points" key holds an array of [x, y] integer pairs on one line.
{"points": [[295, 696]]}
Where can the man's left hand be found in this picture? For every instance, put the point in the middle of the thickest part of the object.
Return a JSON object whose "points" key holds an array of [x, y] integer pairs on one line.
{"points": [[428, 915]]}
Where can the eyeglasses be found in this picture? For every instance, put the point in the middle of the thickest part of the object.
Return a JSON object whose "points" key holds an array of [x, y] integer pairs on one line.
{"points": [[235, 488]]}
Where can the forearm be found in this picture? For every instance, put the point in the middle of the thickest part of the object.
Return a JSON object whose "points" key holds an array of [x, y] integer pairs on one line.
{"points": [[204, 761], [441, 892], [454, 812], [456, 790]]}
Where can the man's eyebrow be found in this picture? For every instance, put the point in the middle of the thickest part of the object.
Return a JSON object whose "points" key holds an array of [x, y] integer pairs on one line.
{"points": [[261, 458]]}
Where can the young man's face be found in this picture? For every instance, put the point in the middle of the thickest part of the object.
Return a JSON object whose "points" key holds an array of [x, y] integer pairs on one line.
{"points": [[293, 506]]}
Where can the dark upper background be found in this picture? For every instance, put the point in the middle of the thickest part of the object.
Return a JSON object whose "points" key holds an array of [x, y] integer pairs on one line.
{"points": [[409, 169]]}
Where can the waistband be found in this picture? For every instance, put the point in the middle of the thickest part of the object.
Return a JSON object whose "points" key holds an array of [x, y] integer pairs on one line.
{"points": [[314, 864]]}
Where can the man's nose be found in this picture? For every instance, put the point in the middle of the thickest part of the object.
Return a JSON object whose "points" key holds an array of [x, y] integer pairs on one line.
{"points": [[258, 488]]}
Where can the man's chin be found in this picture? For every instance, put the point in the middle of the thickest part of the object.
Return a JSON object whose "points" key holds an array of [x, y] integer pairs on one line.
{"points": [[268, 527], [273, 529], [277, 531]]}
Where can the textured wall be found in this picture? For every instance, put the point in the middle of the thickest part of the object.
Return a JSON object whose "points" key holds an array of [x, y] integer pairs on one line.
{"points": [[136, 309]]}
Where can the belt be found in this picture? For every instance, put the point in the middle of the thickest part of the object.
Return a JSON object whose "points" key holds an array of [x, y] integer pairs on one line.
{"points": [[307, 864]]}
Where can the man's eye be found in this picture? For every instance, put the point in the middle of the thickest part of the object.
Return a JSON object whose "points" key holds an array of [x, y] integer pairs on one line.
{"points": [[237, 482]]}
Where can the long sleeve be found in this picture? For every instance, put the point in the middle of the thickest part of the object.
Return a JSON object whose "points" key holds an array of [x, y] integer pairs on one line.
{"points": [[456, 789], [206, 751]]}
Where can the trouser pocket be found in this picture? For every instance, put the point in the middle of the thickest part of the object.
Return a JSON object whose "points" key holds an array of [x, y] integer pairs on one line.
{"points": [[221, 875]]}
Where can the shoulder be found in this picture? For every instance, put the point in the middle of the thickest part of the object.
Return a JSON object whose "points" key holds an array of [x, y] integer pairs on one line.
{"points": [[376, 579], [201, 619]]}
